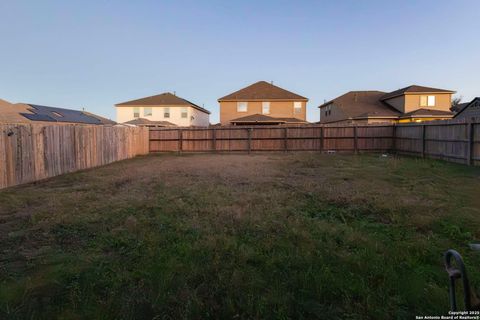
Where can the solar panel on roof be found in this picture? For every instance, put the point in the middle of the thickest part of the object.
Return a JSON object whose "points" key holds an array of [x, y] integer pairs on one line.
{"points": [[37, 117], [44, 113]]}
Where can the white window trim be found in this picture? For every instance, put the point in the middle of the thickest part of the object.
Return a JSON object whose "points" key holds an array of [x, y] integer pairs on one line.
{"points": [[182, 113], [136, 112], [296, 109], [430, 101], [242, 103], [145, 112], [265, 106], [165, 112]]}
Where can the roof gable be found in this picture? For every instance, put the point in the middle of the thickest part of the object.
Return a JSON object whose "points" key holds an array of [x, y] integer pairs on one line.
{"points": [[166, 99], [468, 104], [414, 89], [262, 90]]}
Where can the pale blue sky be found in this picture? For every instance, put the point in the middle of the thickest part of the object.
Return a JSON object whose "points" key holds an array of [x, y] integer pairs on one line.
{"points": [[94, 54]]}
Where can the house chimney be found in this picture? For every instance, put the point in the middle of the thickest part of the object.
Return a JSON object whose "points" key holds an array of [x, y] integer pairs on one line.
{"points": [[174, 93]]}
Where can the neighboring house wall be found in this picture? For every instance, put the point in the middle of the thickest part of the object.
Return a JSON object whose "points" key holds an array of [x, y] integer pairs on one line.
{"points": [[278, 109], [443, 101], [471, 111], [411, 102], [331, 113], [200, 119], [126, 113]]}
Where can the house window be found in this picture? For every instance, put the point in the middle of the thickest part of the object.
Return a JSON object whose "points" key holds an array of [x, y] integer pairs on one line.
{"points": [[147, 112], [297, 107], [266, 107], [242, 106], [328, 110], [184, 113], [136, 112], [427, 101], [166, 112]]}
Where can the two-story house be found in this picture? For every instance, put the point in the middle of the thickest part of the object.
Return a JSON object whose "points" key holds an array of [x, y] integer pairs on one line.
{"points": [[262, 103], [165, 109], [410, 104]]}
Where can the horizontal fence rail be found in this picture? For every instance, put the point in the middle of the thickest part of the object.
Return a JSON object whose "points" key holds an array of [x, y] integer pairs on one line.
{"points": [[452, 141], [34, 152]]}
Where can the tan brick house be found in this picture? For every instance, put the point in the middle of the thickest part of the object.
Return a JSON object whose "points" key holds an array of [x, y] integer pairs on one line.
{"points": [[410, 104], [262, 103]]}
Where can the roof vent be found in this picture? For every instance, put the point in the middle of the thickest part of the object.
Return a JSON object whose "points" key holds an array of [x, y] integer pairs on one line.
{"points": [[174, 93], [271, 82]]}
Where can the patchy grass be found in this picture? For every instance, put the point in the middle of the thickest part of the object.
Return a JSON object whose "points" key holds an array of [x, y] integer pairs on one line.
{"points": [[236, 236]]}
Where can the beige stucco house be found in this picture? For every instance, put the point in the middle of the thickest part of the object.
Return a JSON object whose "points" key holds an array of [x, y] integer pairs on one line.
{"points": [[410, 104], [165, 109], [262, 103]]}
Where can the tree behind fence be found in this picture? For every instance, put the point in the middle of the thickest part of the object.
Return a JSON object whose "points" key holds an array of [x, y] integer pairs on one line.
{"points": [[452, 141], [33, 152]]}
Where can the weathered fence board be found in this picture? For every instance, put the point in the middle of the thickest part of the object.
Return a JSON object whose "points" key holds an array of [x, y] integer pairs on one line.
{"points": [[33, 152], [451, 141]]}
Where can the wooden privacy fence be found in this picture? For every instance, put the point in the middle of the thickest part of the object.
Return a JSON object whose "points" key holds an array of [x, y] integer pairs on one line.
{"points": [[263, 138], [33, 152], [452, 141]]}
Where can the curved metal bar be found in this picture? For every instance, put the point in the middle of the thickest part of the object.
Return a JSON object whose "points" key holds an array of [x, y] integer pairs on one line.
{"points": [[454, 273]]}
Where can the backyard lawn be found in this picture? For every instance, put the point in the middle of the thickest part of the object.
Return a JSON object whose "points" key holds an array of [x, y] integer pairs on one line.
{"points": [[276, 236]]}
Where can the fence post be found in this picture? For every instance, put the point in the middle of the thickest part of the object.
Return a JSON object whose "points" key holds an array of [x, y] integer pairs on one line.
{"points": [[249, 131], [321, 138], [355, 140], [394, 138], [423, 140], [180, 140], [470, 134], [214, 140], [285, 139]]}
